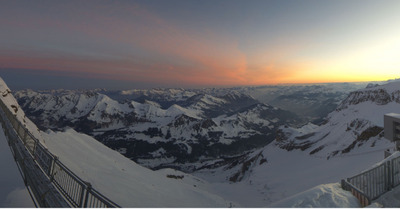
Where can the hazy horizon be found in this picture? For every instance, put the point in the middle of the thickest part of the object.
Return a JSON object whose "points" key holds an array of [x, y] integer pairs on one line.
{"points": [[17, 81]]}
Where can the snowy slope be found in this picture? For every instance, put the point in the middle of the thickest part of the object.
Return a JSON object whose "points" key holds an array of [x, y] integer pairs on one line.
{"points": [[125, 182], [322, 196], [332, 195], [283, 174]]}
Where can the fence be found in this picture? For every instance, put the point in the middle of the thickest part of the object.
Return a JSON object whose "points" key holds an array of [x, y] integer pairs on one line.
{"points": [[42, 191], [77, 192], [373, 183]]}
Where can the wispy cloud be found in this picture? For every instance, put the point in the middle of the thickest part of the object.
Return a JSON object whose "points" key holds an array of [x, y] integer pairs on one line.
{"points": [[151, 48]]}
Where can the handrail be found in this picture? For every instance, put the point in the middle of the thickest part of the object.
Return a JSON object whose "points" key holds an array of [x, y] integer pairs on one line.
{"points": [[364, 199], [77, 192], [39, 186], [374, 182]]}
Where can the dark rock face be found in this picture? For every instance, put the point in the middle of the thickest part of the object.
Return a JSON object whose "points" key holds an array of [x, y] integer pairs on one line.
{"points": [[245, 166], [363, 137], [292, 145], [378, 96], [396, 96], [182, 120]]}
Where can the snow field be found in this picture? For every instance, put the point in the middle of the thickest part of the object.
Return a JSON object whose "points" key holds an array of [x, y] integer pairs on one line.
{"points": [[125, 182], [322, 196]]}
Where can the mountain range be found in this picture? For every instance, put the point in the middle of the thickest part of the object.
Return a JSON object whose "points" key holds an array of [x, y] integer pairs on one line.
{"points": [[156, 132], [178, 127], [214, 136]]}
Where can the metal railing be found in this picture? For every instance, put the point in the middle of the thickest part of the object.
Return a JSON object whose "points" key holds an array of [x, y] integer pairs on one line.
{"points": [[395, 163], [371, 184], [361, 196], [77, 192], [70, 185], [39, 186]]}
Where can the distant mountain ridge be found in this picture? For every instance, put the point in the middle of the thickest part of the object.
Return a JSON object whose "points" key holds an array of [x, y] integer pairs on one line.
{"points": [[155, 134]]}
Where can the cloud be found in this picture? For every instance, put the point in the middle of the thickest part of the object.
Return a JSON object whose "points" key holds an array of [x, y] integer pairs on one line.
{"points": [[149, 48], [123, 40]]}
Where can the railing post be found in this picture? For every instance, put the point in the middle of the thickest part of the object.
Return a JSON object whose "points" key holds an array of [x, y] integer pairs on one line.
{"points": [[34, 147], [88, 189], [343, 184], [52, 169], [17, 129], [385, 177], [25, 133], [388, 176], [82, 196], [394, 169]]}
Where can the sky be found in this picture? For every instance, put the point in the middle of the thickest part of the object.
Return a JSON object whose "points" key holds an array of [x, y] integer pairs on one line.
{"points": [[209, 43]]}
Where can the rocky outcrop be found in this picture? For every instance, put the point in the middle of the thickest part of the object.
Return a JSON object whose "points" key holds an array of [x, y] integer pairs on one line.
{"points": [[377, 96], [363, 137]]}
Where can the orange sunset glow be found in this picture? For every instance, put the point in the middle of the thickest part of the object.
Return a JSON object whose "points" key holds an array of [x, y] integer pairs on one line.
{"points": [[204, 44]]}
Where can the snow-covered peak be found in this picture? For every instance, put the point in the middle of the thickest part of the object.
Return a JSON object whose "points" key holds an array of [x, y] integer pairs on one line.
{"points": [[178, 110], [155, 104]]}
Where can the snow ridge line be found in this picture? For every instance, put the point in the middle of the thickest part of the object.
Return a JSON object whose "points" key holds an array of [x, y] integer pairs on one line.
{"points": [[77, 192]]}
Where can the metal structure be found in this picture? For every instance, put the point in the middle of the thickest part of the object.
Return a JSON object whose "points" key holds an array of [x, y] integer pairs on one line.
{"points": [[50, 182], [392, 128], [371, 184]]}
